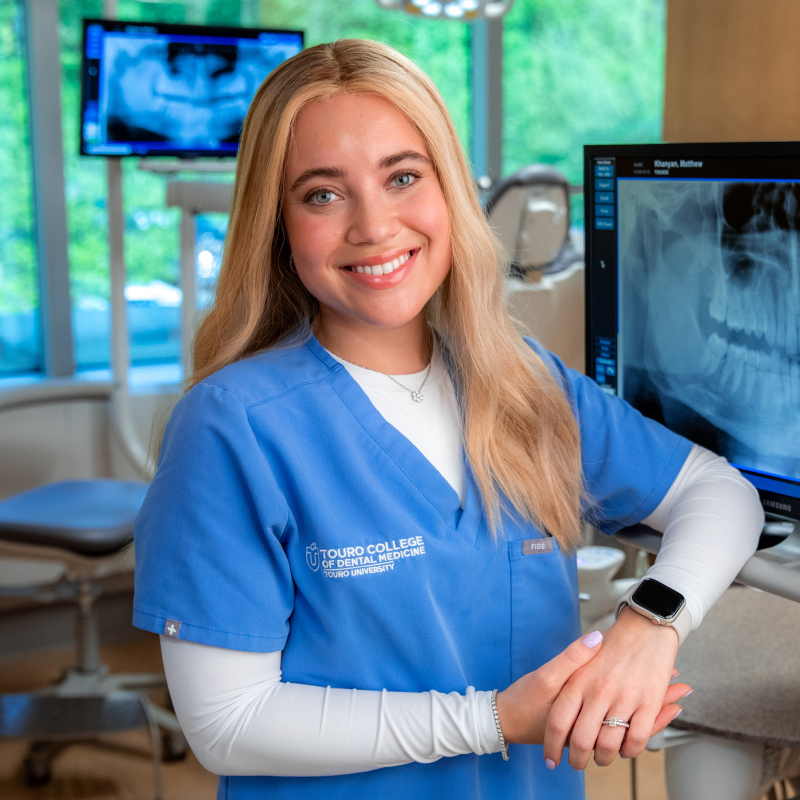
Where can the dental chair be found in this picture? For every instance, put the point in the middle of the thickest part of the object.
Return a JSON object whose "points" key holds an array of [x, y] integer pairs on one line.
{"points": [[63, 537], [530, 214]]}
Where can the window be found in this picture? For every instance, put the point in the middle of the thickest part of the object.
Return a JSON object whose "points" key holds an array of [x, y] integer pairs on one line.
{"points": [[20, 339], [580, 72], [575, 71]]}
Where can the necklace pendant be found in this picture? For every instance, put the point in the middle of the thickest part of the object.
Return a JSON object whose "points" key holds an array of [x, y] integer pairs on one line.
{"points": [[417, 397]]}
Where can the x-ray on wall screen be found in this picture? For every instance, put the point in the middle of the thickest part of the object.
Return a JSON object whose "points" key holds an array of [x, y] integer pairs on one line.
{"points": [[173, 89], [693, 264], [708, 274]]}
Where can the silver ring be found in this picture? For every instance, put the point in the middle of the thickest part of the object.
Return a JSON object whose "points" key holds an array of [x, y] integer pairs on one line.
{"points": [[612, 722]]}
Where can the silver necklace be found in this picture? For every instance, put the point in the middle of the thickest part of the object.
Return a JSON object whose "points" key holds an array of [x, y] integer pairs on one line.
{"points": [[416, 395]]}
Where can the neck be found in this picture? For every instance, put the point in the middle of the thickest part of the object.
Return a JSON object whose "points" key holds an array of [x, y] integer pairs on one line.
{"points": [[395, 351]]}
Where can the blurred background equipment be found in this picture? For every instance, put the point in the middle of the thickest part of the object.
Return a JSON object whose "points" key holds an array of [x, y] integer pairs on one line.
{"points": [[530, 212], [467, 10], [600, 593]]}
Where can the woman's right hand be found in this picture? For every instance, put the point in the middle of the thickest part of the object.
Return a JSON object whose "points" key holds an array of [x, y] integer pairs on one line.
{"points": [[523, 707]]}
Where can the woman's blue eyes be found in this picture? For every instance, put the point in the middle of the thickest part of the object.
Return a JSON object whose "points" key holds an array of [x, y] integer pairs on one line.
{"points": [[406, 179], [324, 197]]}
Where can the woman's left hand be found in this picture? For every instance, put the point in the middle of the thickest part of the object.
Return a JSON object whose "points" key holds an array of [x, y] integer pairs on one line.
{"points": [[628, 679]]}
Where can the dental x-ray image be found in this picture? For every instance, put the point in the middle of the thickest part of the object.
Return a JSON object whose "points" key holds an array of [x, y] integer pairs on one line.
{"points": [[709, 277], [189, 92]]}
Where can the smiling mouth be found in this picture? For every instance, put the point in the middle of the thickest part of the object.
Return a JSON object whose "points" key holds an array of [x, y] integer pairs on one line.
{"points": [[383, 269]]}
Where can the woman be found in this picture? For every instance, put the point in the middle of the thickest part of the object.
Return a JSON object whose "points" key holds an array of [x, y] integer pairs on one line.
{"points": [[367, 504]]}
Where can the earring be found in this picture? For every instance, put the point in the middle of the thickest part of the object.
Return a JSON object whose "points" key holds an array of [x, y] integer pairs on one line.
{"points": [[291, 264]]}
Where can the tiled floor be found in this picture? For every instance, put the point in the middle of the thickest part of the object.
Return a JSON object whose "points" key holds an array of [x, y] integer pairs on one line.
{"points": [[121, 769]]}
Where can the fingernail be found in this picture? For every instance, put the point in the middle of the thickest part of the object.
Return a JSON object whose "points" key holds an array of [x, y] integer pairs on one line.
{"points": [[549, 763], [622, 756], [687, 693], [680, 711], [593, 639], [675, 673]]}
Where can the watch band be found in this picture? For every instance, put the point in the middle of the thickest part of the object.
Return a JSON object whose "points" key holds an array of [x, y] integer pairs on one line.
{"points": [[682, 623]]}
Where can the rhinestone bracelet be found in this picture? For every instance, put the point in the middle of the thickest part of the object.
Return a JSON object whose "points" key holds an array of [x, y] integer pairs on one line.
{"points": [[503, 748]]}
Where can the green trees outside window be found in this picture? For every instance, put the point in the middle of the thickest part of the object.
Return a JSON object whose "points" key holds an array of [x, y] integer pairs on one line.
{"points": [[20, 347], [580, 72], [575, 72]]}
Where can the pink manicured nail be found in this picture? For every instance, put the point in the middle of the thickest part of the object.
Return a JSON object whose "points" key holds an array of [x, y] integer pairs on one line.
{"points": [[680, 711], [549, 763], [593, 639], [687, 693]]}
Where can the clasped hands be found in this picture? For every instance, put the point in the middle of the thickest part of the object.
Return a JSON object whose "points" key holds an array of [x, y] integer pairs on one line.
{"points": [[565, 701]]}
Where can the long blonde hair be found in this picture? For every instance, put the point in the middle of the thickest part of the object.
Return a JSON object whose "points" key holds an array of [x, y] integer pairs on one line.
{"points": [[520, 434]]}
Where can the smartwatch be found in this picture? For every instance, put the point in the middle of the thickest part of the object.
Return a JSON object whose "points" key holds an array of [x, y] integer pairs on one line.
{"points": [[660, 604]]}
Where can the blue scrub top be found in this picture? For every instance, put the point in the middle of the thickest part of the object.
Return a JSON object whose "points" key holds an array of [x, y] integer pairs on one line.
{"points": [[287, 514]]}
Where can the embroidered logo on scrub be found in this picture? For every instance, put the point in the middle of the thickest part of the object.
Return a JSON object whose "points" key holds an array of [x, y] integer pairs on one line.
{"points": [[532, 547], [345, 562], [312, 557]]}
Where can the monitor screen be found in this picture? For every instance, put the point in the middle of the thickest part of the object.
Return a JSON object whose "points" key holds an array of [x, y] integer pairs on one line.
{"points": [[153, 89], [693, 297]]}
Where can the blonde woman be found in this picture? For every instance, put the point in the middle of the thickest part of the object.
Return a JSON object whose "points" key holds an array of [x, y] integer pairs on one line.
{"points": [[367, 503]]}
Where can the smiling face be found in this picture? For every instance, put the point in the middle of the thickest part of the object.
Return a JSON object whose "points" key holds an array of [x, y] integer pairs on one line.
{"points": [[366, 221]]}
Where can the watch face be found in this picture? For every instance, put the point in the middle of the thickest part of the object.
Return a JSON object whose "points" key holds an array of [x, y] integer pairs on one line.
{"points": [[657, 598]]}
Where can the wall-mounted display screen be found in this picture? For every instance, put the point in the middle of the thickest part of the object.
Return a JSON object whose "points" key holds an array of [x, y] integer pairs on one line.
{"points": [[693, 297], [182, 90]]}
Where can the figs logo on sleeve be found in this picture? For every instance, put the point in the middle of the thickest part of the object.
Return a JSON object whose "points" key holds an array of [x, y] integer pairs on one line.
{"points": [[312, 557]]}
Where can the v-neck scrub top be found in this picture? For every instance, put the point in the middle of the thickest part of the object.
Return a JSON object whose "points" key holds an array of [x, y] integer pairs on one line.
{"points": [[287, 514]]}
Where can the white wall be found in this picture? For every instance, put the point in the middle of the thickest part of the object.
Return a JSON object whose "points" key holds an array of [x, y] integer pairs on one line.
{"points": [[64, 440]]}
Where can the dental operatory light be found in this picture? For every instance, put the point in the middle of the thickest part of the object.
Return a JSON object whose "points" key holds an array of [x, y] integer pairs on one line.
{"points": [[466, 10]]}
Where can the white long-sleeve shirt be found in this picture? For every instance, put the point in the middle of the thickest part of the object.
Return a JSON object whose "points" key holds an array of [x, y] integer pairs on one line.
{"points": [[241, 719]]}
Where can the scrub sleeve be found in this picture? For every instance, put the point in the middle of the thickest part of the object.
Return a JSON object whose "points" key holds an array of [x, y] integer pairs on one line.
{"points": [[287, 514]]}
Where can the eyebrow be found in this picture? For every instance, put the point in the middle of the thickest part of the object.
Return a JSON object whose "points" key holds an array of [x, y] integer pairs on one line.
{"points": [[406, 155], [337, 172]]}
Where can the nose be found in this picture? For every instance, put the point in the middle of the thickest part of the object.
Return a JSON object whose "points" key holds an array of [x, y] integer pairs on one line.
{"points": [[373, 221]]}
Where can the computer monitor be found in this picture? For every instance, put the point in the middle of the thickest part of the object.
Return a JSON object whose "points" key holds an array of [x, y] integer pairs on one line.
{"points": [[693, 297], [154, 89]]}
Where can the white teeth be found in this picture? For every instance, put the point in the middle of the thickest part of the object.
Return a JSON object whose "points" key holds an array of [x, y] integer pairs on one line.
{"points": [[728, 367], [715, 352], [761, 319], [735, 318], [769, 335], [718, 308], [749, 314], [388, 267], [750, 374], [737, 355]]}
